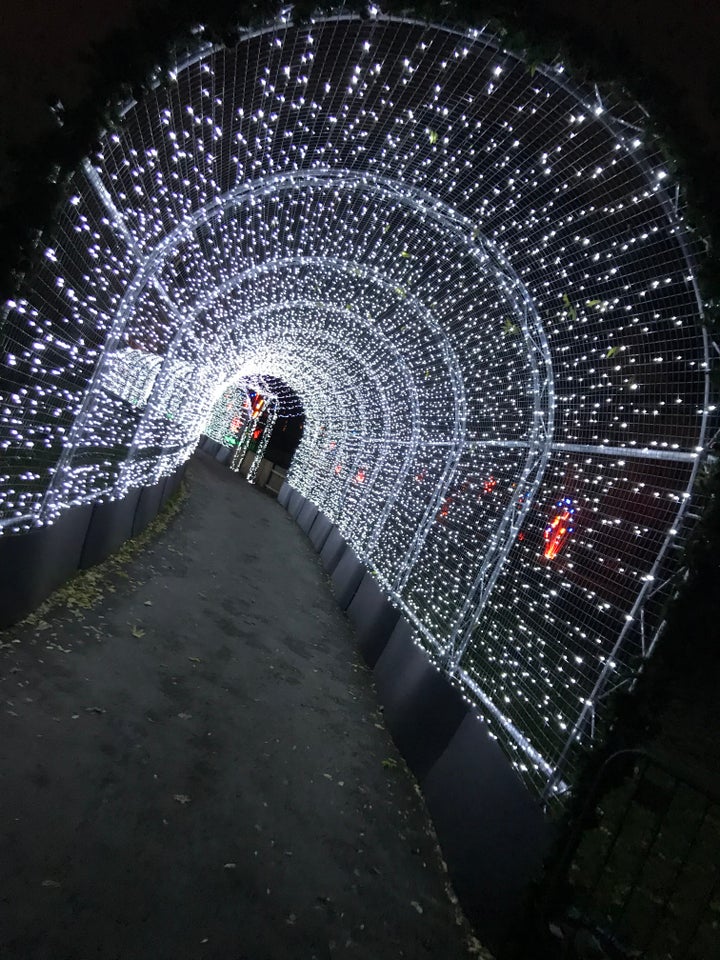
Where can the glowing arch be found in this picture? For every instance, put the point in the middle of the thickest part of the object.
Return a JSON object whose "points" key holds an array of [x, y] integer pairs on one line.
{"points": [[480, 284]]}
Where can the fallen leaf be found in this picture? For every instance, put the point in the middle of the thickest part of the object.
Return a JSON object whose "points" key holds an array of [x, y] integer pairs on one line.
{"points": [[94, 710], [148, 603], [389, 762], [194, 659], [185, 716], [51, 883], [181, 798], [229, 866], [414, 903], [138, 632]]}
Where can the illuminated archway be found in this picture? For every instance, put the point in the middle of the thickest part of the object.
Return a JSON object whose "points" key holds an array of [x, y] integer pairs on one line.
{"points": [[478, 280]]}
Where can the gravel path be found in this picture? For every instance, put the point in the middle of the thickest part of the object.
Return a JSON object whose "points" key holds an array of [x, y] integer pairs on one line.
{"points": [[195, 766]]}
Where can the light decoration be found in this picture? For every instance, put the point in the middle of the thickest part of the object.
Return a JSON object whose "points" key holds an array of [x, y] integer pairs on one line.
{"points": [[477, 282], [253, 407], [559, 529], [267, 417], [229, 416]]}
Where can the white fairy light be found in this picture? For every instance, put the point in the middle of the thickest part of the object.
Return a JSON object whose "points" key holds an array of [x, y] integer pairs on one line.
{"points": [[478, 288]]}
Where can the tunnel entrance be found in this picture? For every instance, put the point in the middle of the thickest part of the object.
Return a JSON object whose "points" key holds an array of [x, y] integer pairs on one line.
{"points": [[260, 421]]}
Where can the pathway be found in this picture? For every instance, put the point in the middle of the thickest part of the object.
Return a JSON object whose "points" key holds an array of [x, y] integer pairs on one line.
{"points": [[195, 767]]}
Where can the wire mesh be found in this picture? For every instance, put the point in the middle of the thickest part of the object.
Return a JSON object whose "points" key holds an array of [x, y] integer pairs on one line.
{"points": [[475, 281]]}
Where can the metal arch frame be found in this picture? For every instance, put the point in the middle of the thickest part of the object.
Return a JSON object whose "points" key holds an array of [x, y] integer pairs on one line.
{"points": [[147, 271], [460, 229], [422, 201], [479, 36], [451, 360]]}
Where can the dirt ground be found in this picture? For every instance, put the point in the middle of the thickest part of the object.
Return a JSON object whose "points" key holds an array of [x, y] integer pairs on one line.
{"points": [[194, 766]]}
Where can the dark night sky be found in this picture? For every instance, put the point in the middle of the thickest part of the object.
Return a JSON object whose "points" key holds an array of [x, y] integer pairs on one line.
{"points": [[42, 42]]}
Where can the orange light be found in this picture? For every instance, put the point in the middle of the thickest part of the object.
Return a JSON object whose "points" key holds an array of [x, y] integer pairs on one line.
{"points": [[559, 529]]}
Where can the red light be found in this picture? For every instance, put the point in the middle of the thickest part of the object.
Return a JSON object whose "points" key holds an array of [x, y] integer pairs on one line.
{"points": [[360, 476], [257, 434], [489, 485], [558, 531], [338, 468]]}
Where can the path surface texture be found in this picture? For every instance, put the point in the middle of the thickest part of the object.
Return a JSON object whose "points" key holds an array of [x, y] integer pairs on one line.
{"points": [[195, 765]]}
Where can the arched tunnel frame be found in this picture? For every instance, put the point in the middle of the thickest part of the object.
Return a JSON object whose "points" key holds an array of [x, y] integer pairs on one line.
{"points": [[540, 445]]}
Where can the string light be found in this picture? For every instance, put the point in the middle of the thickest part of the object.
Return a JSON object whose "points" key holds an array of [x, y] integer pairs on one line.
{"points": [[471, 280]]}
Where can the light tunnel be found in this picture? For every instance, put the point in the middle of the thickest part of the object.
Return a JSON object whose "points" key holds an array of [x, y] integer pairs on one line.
{"points": [[477, 278]]}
